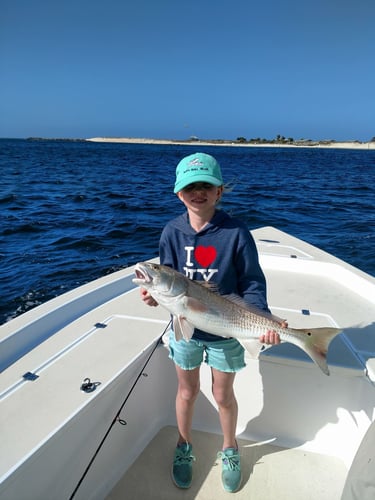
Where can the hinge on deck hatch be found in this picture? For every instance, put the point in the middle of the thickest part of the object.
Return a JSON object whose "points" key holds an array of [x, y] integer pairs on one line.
{"points": [[30, 376], [100, 325]]}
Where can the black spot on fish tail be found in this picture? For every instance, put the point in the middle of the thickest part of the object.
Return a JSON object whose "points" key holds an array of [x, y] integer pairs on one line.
{"points": [[317, 345]]}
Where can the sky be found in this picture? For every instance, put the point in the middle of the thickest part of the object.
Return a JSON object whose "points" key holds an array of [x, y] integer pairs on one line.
{"points": [[213, 69]]}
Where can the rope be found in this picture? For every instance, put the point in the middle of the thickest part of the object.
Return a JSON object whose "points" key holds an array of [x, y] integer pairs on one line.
{"points": [[117, 416]]}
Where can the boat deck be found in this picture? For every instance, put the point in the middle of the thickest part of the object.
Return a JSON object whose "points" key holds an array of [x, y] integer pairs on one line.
{"points": [[268, 472]]}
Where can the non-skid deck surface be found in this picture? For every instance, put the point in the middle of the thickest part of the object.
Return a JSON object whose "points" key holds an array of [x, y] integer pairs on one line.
{"points": [[269, 472]]}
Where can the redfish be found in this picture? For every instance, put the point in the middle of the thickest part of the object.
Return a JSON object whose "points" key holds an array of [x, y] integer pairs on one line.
{"points": [[194, 305]]}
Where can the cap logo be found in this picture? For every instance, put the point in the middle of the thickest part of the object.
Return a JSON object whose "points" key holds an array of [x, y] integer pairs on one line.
{"points": [[195, 162]]}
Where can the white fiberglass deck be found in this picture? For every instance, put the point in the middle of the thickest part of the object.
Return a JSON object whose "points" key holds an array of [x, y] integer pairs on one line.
{"points": [[268, 472]]}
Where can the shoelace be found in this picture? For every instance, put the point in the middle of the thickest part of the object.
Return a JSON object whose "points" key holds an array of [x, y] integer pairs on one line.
{"points": [[231, 462], [183, 458]]}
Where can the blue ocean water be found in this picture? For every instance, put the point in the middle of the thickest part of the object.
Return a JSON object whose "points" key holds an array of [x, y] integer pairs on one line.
{"points": [[75, 211]]}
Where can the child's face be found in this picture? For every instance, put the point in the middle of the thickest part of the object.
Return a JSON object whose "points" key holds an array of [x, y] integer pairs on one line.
{"points": [[200, 197]]}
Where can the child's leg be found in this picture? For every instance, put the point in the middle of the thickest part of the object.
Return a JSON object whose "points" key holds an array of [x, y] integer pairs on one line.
{"points": [[223, 392], [188, 389]]}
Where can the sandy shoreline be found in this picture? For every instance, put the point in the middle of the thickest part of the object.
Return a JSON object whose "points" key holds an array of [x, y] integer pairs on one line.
{"points": [[314, 144]]}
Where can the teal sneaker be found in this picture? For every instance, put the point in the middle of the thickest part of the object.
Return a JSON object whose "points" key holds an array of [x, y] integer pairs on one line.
{"points": [[231, 469], [182, 470]]}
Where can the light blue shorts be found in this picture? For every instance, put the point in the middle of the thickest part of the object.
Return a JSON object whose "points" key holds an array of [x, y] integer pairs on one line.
{"points": [[225, 355]]}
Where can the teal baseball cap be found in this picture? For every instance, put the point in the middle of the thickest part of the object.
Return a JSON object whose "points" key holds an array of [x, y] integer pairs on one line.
{"points": [[199, 167]]}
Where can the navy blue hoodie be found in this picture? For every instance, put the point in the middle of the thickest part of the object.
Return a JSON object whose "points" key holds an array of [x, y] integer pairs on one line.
{"points": [[223, 252]]}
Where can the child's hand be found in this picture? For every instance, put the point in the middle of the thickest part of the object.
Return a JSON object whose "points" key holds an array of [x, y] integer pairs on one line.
{"points": [[272, 337], [147, 299]]}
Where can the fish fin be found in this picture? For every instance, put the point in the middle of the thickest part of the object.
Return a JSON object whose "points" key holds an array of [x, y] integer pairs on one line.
{"points": [[177, 329], [213, 287], [236, 299], [182, 328], [254, 347], [316, 346]]}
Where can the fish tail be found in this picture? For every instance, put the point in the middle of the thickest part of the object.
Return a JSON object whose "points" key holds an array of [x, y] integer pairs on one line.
{"points": [[316, 345]]}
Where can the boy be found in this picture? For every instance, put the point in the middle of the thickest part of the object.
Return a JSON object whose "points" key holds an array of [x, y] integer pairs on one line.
{"points": [[207, 244]]}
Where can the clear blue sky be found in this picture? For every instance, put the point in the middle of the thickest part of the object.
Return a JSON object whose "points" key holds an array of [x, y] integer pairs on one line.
{"points": [[175, 69]]}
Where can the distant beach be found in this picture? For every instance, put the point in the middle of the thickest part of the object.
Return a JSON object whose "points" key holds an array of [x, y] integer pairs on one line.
{"points": [[263, 144]]}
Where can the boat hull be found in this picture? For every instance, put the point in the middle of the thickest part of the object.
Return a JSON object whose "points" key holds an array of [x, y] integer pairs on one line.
{"points": [[61, 442]]}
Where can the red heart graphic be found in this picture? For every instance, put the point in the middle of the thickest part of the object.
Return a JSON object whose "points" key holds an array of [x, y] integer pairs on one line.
{"points": [[205, 255]]}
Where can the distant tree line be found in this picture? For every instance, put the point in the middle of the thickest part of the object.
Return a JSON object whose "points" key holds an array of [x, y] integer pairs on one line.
{"points": [[280, 139]]}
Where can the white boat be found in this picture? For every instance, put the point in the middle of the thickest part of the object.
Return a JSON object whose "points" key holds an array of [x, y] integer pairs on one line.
{"points": [[87, 393]]}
